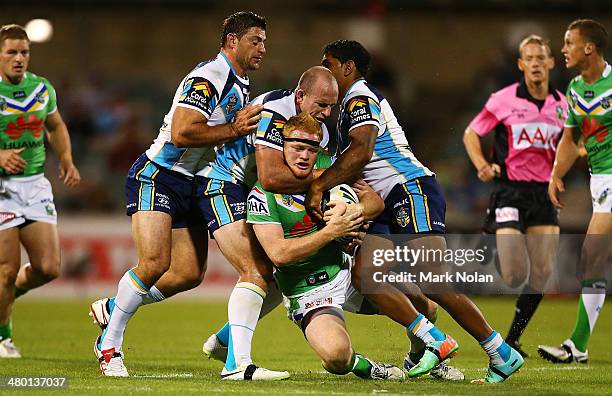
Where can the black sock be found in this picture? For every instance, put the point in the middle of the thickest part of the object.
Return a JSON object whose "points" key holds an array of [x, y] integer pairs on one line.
{"points": [[526, 305]]}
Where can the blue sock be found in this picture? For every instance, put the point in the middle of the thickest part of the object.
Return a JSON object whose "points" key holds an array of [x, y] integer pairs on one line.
{"points": [[224, 334], [230, 362]]}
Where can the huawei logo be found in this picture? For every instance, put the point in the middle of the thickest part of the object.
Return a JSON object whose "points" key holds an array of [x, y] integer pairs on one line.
{"points": [[16, 129]]}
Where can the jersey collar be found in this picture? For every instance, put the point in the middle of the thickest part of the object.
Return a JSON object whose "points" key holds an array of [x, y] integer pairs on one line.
{"points": [[244, 80], [606, 71], [523, 92], [353, 84]]}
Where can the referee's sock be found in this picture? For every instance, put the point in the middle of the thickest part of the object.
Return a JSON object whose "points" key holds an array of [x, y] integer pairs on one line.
{"points": [[526, 305]]}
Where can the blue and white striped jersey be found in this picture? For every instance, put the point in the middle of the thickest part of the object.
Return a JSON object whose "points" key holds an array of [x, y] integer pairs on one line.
{"points": [[392, 161], [213, 89]]}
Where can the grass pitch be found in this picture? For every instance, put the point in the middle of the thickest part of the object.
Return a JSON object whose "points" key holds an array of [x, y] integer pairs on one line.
{"points": [[163, 352]]}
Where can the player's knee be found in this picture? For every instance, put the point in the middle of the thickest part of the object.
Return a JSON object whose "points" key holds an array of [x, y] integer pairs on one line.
{"points": [[337, 360], [8, 273]]}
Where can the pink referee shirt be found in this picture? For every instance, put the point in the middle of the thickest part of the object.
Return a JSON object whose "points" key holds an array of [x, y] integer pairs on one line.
{"points": [[526, 131]]}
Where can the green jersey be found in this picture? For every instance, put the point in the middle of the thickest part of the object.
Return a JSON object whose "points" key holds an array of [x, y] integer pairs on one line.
{"points": [[590, 111], [264, 207], [23, 110]]}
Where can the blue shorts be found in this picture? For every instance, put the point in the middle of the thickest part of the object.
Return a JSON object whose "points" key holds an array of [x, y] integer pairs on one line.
{"points": [[150, 187], [415, 207], [220, 202]]}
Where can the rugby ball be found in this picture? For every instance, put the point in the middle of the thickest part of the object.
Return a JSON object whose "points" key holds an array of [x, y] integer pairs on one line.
{"points": [[344, 193]]}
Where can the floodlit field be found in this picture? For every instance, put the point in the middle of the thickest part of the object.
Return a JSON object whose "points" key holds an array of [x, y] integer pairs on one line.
{"points": [[163, 352]]}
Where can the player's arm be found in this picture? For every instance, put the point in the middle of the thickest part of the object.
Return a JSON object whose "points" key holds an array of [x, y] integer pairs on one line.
{"points": [[370, 202], [347, 167], [284, 251], [486, 170], [274, 174], [567, 153], [190, 128], [59, 139]]}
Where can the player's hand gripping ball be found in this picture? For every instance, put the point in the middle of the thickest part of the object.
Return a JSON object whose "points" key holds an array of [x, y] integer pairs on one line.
{"points": [[343, 193]]}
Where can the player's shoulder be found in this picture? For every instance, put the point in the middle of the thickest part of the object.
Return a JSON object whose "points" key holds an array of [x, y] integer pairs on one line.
{"points": [[506, 92], [363, 89], [215, 71], [280, 101], [36, 79]]}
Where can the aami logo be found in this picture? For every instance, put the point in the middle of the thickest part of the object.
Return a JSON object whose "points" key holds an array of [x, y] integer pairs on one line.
{"points": [[538, 135], [15, 129]]}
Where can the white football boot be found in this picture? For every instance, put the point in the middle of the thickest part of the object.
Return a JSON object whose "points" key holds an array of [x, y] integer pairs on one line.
{"points": [[110, 361], [250, 372], [565, 353], [8, 349], [213, 349]]}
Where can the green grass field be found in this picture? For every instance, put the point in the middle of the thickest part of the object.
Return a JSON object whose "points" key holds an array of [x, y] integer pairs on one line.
{"points": [[163, 352]]}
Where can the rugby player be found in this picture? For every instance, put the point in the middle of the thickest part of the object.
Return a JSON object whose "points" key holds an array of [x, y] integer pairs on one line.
{"points": [[316, 93], [164, 199], [311, 269], [527, 118], [28, 112], [589, 96], [372, 145]]}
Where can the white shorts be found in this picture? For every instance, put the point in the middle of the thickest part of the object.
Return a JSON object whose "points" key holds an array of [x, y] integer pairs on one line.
{"points": [[339, 293], [601, 193], [26, 199]]}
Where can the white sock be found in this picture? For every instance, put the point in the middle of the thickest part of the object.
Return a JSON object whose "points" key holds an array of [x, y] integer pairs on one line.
{"points": [[593, 300], [273, 299], [130, 294], [243, 311], [496, 348], [154, 295]]}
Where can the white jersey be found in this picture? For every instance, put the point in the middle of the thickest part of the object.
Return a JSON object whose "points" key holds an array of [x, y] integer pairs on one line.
{"points": [[235, 160], [392, 161], [212, 89]]}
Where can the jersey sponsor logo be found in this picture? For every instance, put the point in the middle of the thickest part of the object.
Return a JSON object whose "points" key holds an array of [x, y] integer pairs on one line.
{"points": [[198, 92], [32, 123], [590, 126], [162, 200], [18, 145], [589, 94], [329, 300], [5, 217], [19, 94], [359, 110], [538, 135], [256, 203], [274, 132], [506, 214]]}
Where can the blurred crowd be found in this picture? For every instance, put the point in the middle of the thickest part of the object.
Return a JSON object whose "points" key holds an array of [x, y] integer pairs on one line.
{"points": [[112, 122]]}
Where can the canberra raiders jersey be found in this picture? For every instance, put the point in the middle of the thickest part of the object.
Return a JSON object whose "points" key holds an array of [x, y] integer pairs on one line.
{"points": [[212, 89], [235, 160], [264, 207], [392, 162], [23, 110], [590, 112]]}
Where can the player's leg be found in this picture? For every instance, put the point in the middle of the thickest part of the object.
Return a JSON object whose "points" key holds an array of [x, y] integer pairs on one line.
{"points": [[216, 345], [512, 253], [41, 242], [187, 269], [326, 333], [595, 258], [239, 245], [152, 232], [542, 242], [10, 257]]}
